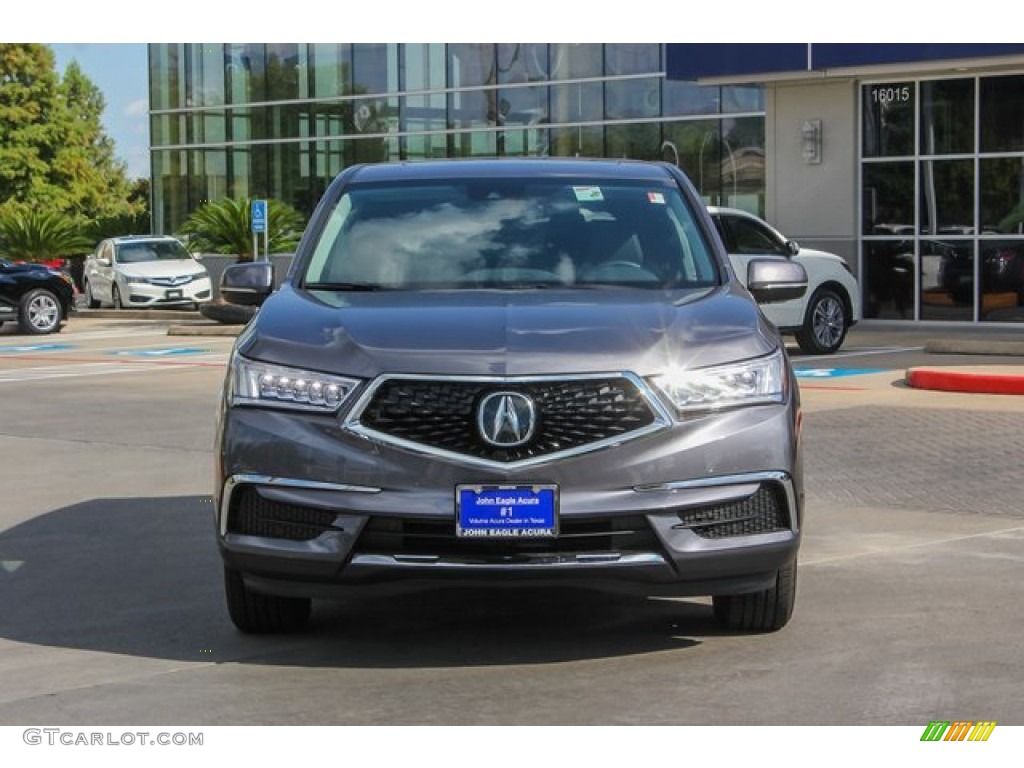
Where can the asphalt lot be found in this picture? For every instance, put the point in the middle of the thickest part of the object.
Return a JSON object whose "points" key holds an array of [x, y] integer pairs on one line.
{"points": [[111, 607]]}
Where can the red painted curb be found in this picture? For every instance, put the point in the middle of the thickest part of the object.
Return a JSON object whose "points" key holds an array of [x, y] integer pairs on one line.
{"points": [[962, 381]]}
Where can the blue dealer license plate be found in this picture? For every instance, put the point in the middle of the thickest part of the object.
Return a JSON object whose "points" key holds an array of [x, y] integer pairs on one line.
{"points": [[506, 511]]}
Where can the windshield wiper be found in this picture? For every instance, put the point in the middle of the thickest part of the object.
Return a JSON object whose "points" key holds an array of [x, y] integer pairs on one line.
{"points": [[343, 287]]}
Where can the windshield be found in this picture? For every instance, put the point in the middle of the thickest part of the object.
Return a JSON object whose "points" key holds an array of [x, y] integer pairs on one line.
{"points": [[510, 234], [162, 250]]}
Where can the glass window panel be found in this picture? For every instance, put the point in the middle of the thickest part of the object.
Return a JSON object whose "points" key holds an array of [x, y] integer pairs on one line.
{"points": [[167, 75], [695, 147], [289, 121], [572, 60], [947, 197], [1002, 114], [522, 62], [523, 106], [331, 118], [742, 98], [1002, 280], [206, 74], [471, 64], [683, 98], [375, 67], [283, 71], [947, 122], [474, 144], [208, 127], [244, 63], [632, 98], [742, 163], [240, 172], [332, 69], [577, 141], [888, 119], [424, 113], [576, 102], [947, 280], [423, 66], [375, 150], [631, 58], [526, 142], [424, 146], [169, 191], [374, 115], [888, 198], [1002, 195], [888, 279], [473, 109], [638, 141]]}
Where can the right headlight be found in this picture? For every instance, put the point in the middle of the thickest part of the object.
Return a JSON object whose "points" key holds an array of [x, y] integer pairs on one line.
{"points": [[278, 386], [761, 380]]}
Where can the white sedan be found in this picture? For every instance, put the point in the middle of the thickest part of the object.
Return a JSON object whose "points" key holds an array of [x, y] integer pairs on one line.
{"points": [[144, 271], [831, 305]]}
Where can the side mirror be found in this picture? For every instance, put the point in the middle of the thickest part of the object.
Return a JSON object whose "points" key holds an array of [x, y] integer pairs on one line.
{"points": [[103, 262], [770, 281], [792, 247], [247, 284]]}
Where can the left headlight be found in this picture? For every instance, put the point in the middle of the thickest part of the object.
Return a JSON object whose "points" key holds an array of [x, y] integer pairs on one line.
{"points": [[278, 386], [136, 279], [761, 380]]}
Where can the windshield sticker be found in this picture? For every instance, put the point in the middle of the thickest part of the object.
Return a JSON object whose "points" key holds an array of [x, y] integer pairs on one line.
{"points": [[588, 194], [656, 197]]}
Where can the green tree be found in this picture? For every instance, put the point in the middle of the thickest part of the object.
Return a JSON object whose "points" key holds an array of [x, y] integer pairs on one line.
{"points": [[54, 154], [225, 226], [40, 235]]}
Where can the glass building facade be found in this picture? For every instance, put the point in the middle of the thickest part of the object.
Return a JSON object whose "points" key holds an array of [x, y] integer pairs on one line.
{"points": [[942, 211], [282, 120]]}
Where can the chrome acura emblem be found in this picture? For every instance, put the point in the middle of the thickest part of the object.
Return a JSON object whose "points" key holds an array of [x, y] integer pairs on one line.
{"points": [[506, 419]]}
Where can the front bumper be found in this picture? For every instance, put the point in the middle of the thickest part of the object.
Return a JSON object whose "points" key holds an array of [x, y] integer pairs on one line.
{"points": [[148, 295], [381, 515]]}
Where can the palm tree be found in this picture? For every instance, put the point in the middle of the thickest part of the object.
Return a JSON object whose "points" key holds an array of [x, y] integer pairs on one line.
{"points": [[225, 226], [36, 235]]}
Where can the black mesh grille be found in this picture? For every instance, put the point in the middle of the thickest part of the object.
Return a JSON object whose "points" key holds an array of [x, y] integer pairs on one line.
{"points": [[404, 536], [763, 512], [570, 414], [253, 515]]}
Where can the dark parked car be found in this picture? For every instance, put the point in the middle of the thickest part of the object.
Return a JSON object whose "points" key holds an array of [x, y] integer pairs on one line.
{"points": [[517, 371], [38, 297]]}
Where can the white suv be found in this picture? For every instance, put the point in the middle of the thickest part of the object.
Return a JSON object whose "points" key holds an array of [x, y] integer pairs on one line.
{"points": [[144, 271], [821, 318]]}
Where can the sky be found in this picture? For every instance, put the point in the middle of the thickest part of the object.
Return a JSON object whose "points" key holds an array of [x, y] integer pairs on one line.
{"points": [[119, 70]]}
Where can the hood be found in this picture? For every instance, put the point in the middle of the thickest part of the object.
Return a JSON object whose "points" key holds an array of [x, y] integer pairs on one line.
{"points": [[163, 268], [811, 253], [506, 333]]}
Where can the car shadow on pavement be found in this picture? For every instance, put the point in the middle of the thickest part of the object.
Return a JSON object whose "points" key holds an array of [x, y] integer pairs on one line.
{"points": [[142, 577]]}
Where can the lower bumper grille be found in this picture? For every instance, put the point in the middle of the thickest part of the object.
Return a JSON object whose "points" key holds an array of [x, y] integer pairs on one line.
{"points": [[763, 512], [401, 536], [253, 515]]}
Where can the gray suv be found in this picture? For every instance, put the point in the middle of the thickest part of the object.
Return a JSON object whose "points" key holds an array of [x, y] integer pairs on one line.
{"points": [[510, 371]]}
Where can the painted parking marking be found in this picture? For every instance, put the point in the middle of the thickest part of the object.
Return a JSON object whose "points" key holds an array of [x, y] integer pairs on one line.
{"points": [[34, 348], [78, 370], [160, 352], [833, 373]]}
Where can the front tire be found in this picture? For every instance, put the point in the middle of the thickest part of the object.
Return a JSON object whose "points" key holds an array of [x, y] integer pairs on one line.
{"points": [[39, 312], [115, 295], [90, 300], [765, 611], [825, 326], [258, 614]]}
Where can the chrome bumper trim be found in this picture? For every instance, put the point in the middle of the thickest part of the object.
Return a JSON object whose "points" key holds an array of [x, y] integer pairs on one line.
{"points": [[278, 482]]}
